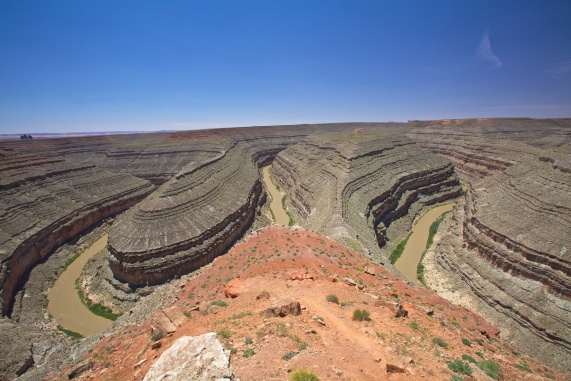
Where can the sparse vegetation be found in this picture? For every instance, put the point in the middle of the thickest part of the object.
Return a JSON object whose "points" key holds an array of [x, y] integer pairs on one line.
{"points": [[397, 251], [440, 342], [289, 355], [360, 315], [96, 308], [414, 325], [248, 340], [461, 367], [249, 353], [219, 303], [490, 367], [303, 375], [469, 358], [302, 346], [456, 377], [71, 334], [157, 335], [225, 333], [431, 232], [467, 342], [333, 299]]}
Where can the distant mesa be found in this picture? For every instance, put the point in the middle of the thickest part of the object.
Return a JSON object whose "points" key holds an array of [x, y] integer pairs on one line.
{"points": [[26, 137]]}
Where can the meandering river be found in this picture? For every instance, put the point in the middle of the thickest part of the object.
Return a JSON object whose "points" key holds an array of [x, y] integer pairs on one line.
{"points": [[64, 303], [416, 244], [276, 205]]}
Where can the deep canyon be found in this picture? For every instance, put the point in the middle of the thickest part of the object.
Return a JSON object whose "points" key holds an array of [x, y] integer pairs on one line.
{"points": [[174, 202]]}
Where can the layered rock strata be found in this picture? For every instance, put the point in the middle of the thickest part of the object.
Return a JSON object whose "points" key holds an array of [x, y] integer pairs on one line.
{"points": [[362, 184], [189, 221], [509, 243], [50, 202]]}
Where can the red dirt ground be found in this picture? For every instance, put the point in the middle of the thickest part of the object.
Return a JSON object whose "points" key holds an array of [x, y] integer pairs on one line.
{"points": [[340, 349]]}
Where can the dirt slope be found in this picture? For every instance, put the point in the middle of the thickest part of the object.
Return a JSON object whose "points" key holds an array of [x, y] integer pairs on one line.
{"points": [[306, 267]]}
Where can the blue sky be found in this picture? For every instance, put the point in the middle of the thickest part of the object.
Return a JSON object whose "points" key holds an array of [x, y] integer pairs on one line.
{"points": [[155, 65]]}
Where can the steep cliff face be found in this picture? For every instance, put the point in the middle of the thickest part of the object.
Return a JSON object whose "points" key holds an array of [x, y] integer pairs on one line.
{"points": [[362, 184], [189, 221], [509, 241], [50, 202]]}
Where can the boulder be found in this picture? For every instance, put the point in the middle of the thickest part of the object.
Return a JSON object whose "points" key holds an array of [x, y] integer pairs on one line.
{"points": [[192, 359], [80, 368], [401, 312], [263, 295], [163, 323], [284, 307], [392, 368], [175, 315], [235, 287]]}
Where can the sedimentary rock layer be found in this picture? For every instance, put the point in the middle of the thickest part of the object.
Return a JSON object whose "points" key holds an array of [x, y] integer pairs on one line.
{"points": [[44, 202], [358, 184], [190, 220], [512, 236]]}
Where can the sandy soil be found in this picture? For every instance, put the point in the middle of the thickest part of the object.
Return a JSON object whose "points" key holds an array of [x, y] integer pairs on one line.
{"points": [[307, 267], [64, 302]]}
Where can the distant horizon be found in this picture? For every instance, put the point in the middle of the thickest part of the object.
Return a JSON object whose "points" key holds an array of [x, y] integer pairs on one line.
{"points": [[186, 65]]}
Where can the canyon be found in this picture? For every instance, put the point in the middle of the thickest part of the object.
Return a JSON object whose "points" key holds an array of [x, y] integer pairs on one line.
{"points": [[174, 202]]}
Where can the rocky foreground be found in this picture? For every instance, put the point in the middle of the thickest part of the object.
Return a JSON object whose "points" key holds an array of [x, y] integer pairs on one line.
{"points": [[283, 300]]}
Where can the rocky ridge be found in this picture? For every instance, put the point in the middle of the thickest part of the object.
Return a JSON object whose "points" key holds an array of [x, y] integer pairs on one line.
{"points": [[508, 240], [365, 185]]}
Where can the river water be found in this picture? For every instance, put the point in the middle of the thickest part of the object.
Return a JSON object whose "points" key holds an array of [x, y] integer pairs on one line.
{"points": [[64, 303], [416, 244], [276, 205]]}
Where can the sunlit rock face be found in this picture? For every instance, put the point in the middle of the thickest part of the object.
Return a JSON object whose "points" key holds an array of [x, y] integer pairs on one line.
{"points": [[510, 237]]}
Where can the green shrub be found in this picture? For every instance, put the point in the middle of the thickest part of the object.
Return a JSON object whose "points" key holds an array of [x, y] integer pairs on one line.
{"points": [[398, 250], [480, 354], [71, 334], [289, 355], [414, 325], [248, 340], [248, 353], [461, 367], [303, 375], [466, 342], [333, 299], [302, 346], [219, 303], [440, 342], [360, 315], [224, 333], [456, 377], [469, 358], [490, 367]]}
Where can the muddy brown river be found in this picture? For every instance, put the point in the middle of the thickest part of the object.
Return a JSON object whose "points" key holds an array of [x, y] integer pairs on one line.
{"points": [[276, 205], [64, 303], [416, 244]]}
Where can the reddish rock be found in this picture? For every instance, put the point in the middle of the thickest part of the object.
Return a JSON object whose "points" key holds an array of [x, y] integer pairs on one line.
{"points": [[392, 368], [163, 323], [235, 287], [283, 308], [263, 295], [175, 315]]}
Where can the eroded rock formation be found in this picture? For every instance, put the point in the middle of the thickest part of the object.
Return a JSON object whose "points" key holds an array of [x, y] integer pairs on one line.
{"points": [[362, 184], [509, 238]]}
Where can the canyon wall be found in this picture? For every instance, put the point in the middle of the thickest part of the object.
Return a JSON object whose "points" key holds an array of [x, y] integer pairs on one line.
{"points": [[46, 201], [509, 238], [364, 185]]}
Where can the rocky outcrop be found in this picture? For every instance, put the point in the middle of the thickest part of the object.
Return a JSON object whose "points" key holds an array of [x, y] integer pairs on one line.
{"points": [[362, 184], [508, 240], [50, 202], [188, 222], [200, 358]]}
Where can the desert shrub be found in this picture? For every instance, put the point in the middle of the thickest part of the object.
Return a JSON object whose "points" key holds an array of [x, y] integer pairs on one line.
{"points": [[224, 333], [456, 377], [219, 303], [248, 340], [289, 355], [439, 341], [248, 353], [303, 375], [469, 358], [490, 367], [333, 299], [461, 367], [414, 325], [360, 315], [480, 354], [467, 342], [281, 330], [302, 346]]}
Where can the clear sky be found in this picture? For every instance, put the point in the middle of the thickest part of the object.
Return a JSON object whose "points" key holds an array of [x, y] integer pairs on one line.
{"points": [[155, 65]]}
